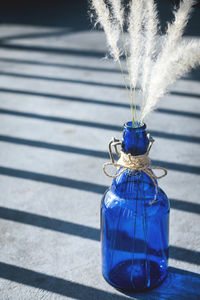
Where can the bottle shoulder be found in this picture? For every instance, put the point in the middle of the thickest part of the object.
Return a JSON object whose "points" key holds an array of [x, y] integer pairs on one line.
{"points": [[112, 203]]}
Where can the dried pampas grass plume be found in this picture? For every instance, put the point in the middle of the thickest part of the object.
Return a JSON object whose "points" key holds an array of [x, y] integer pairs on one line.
{"points": [[158, 71], [184, 58], [174, 32], [111, 29], [151, 26], [161, 76], [118, 11], [176, 29], [135, 32]]}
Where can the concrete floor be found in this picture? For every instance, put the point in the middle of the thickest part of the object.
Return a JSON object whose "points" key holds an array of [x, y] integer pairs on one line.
{"points": [[60, 103]]}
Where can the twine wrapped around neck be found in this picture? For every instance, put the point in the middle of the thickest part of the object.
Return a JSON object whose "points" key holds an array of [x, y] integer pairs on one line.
{"points": [[130, 162]]}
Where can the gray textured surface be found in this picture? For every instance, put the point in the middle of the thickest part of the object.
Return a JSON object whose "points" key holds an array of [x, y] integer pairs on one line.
{"points": [[60, 104]]}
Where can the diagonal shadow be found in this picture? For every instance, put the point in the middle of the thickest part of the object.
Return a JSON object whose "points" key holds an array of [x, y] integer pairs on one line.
{"points": [[64, 98], [177, 167], [176, 204], [165, 135], [59, 225], [119, 86], [194, 77], [175, 136], [59, 65], [54, 50], [83, 231], [55, 180], [187, 255], [72, 81], [60, 119], [35, 35], [179, 285], [49, 223], [94, 153], [54, 284], [180, 113], [185, 206], [184, 94], [56, 147], [97, 102]]}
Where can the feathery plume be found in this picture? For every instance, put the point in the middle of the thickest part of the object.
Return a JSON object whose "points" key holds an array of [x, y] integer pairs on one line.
{"points": [[175, 59], [184, 58], [111, 29], [135, 28], [151, 26], [181, 17], [118, 11], [171, 39], [176, 29]]}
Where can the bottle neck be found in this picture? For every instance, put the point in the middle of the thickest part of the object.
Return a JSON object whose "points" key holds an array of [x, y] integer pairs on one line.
{"points": [[135, 139]]}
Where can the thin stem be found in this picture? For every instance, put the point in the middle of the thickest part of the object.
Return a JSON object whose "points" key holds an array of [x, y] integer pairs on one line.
{"points": [[132, 105], [145, 102], [134, 97], [124, 78], [129, 72]]}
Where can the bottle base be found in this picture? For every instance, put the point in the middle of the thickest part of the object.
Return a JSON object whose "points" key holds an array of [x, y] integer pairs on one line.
{"points": [[132, 278]]}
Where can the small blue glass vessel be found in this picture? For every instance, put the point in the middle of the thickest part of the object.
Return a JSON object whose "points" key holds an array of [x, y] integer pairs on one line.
{"points": [[134, 232]]}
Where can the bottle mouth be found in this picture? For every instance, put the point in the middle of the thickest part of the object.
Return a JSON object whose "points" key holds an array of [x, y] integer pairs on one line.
{"points": [[137, 125]]}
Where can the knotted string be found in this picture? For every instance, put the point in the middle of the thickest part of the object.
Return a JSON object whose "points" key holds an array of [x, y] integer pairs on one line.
{"points": [[130, 162]]}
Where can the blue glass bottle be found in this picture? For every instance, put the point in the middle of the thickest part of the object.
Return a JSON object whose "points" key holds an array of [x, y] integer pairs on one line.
{"points": [[134, 232]]}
